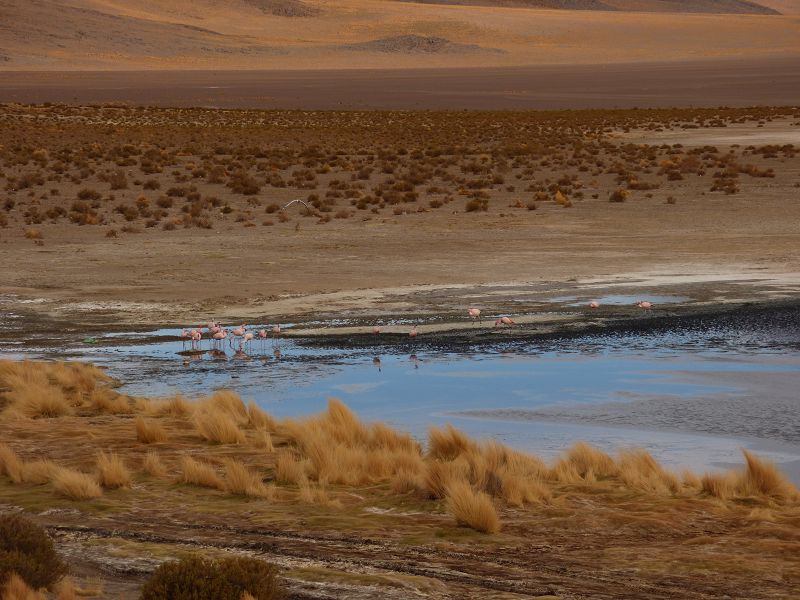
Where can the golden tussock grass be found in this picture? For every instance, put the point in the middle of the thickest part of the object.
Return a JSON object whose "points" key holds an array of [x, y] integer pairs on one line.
{"points": [[109, 402], [263, 441], [448, 443], [149, 431], [242, 481], [16, 589], [75, 485], [762, 478], [289, 469], [39, 472], [195, 472], [638, 470], [259, 419], [472, 508], [227, 402], [112, 472], [218, 426], [10, 464], [153, 466], [176, 406]]}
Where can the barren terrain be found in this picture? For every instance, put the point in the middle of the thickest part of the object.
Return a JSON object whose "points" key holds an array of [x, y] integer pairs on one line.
{"points": [[128, 216], [292, 34]]}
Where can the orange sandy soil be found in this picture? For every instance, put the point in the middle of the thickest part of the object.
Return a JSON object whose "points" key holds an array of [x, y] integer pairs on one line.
{"points": [[387, 230], [197, 34]]}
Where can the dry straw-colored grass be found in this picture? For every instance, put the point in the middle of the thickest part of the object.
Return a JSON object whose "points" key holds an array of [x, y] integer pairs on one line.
{"points": [[10, 464], [149, 431], [335, 448], [75, 485], [218, 427], [16, 589], [195, 472], [112, 472], [153, 466], [472, 508], [241, 481]]}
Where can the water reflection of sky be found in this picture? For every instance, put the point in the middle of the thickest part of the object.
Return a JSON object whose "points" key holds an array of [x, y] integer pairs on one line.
{"points": [[414, 386]]}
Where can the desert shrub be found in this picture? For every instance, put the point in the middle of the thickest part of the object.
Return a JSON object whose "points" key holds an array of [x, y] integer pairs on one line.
{"points": [[197, 578], [26, 550], [618, 196]]}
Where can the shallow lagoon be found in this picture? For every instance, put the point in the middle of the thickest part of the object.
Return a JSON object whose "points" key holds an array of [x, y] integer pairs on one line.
{"points": [[692, 394]]}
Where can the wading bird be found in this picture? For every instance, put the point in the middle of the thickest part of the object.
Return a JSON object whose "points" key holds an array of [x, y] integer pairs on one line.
{"points": [[504, 321], [645, 305], [475, 314], [594, 304]]}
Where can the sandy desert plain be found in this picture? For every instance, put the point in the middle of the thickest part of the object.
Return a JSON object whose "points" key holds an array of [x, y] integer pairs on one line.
{"points": [[441, 157]]}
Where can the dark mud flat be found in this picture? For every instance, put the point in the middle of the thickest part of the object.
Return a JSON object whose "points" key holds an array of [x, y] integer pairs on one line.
{"points": [[765, 81]]}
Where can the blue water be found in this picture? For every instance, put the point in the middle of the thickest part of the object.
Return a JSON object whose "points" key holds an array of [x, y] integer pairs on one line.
{"points": [[413, 386]]}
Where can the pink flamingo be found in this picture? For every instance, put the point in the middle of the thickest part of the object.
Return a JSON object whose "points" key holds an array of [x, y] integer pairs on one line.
{"points": [[276, 330], [196, 338], [594, 304], [220, 335], [262, 333], [645, 305], [247, 338], [377, 362], [376, 330], [504, 321], [413, 333], [475, 313], [184, 337]]}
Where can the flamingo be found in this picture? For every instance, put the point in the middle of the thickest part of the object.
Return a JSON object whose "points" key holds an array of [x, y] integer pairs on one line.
{"points": [[376, 330], [594, 304], [475, 313], [219, 335], [276, 330], [184, 337], [645, 305], [504, 321], [377, 362], [413, 333], [196, 338], [248, 336]]}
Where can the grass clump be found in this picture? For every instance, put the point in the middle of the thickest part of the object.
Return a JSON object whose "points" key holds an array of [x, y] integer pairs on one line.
{"points": [[242, 481], [149, 432], [75, 485], [195, 472], [112, 472], [197, 578], [25, 550], [472, 508]]}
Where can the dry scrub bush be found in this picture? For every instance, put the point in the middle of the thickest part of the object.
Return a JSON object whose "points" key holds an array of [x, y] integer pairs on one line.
{"points": [[25, 550], [472, 508], [242, 481], [75, 485], [153, 466], [149, 432], [112, 472], [195, 472], [231, 578]]}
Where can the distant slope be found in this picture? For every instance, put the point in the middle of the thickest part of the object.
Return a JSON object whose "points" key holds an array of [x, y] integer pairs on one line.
{"points": [[664, 6]]}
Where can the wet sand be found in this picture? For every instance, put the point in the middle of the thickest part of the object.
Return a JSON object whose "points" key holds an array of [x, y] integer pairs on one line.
{"points": [[707, 83]]}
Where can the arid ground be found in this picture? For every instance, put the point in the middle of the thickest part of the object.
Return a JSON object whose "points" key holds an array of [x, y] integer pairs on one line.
{"points": [[133, 216]]}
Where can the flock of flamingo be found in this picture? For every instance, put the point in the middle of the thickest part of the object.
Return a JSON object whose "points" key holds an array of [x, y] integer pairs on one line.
{"points": [[218, 334]]}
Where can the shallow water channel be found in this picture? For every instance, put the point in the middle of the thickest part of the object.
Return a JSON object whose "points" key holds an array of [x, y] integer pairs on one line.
{"points": [[692, 392]]}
